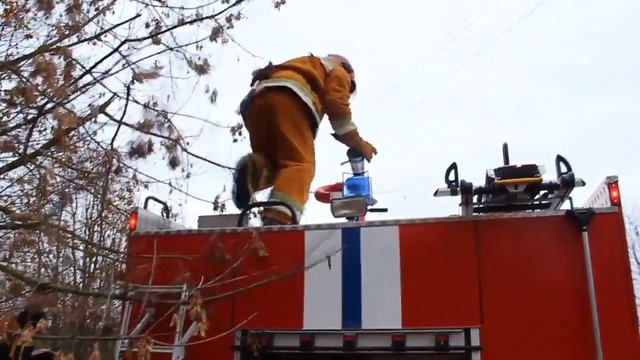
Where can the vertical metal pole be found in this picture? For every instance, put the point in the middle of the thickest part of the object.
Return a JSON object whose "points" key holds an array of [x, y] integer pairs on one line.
{"points": [[126, 314], [592, 294], [583, 217], [177, 351], [466, 205], [466, 198]]}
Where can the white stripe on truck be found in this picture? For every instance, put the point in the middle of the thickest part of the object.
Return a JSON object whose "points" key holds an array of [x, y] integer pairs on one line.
{"points": [[381, 289], [323, 283]]}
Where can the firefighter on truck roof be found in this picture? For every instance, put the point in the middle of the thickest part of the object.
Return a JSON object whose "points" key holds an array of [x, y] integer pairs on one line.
{"points": [[282, 112]]}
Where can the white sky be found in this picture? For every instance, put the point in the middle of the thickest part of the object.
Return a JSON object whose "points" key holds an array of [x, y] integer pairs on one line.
{"points": [[443, 81]]}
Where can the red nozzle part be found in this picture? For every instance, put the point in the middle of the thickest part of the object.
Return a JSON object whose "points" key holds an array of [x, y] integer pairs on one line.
{"points": [[323, 193]]}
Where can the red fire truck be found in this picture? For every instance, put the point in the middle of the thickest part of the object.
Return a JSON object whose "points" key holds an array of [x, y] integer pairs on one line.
{"points": [[513, 276]]}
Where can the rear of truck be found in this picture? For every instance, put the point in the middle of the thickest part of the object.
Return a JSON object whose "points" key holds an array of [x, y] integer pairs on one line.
{"points": [[494, 286]]}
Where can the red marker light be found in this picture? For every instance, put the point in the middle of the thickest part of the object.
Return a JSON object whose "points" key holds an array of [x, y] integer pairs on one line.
{"points": [[264, 340], [133, 221], [306, 342], [614, 193], [398, 342], [349, 342], [442, 341]]}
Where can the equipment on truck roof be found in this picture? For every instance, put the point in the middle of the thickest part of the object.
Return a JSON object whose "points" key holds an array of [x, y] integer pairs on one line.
{"points": [[511, 188], [353, 197], [141, 218]]}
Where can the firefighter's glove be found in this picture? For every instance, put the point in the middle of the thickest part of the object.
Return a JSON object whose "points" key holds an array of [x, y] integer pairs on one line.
{"points": [[353, 140]]}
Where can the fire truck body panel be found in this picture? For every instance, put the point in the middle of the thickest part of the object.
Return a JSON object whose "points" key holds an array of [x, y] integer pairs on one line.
{"points": [[518, 278]]}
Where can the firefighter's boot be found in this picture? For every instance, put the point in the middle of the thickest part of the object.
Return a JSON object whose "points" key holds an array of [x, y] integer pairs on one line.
{"points": [[272, 217], [253, 173]]}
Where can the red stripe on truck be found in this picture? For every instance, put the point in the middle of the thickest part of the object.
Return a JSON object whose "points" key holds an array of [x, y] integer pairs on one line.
{"points": [[439, 275]]}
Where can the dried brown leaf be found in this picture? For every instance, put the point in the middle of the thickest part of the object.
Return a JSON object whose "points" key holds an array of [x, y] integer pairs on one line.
{"points": [[128, 355], [7, 145], [11, 322], [193, 312], [68, 70], [174, 161], [279, 3], [23, 239], [60, 135], [95, 352], [66, 53], [49, 173], [16, 288], [61, 93], [136, 77], [145, 346], [26, 337], [198, 315], [147, 124], [65, 356], [141, 75], [201, 68], [258, 246], [74, 15], [156, 29], [218, 252], [46, 6], [66, 119], [213, 97], [140, 149], [27, 92], [216, 33], [41, 326], [4, 326], [59, 30], [45, 68], [94, 111], [202, 329]]}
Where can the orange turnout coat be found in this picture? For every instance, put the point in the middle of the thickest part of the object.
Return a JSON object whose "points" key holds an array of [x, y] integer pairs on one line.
{"points": [[282, 113]]}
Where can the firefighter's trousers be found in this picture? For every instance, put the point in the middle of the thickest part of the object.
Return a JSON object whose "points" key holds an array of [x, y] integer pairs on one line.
{"points": [[280, 130]]}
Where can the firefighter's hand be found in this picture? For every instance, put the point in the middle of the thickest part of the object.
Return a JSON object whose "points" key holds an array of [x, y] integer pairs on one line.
{"points": [[367, 150], [353, 140]]}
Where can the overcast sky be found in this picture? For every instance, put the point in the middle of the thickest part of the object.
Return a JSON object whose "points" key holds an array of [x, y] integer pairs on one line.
{"points": [[443, 81]]}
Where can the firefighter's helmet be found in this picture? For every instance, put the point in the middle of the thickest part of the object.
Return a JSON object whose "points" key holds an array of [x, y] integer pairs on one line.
{"points": [[346, 64]]}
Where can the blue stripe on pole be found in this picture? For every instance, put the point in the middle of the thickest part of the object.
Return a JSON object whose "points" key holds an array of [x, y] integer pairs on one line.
{"points": [[351, 279]]}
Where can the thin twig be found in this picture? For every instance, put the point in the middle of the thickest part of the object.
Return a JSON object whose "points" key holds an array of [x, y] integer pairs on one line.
{"points": [[168, 138]]}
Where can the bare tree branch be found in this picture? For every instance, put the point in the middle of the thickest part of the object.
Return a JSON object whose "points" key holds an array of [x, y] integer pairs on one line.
{"points": [[52, 47], [51, 143]]}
